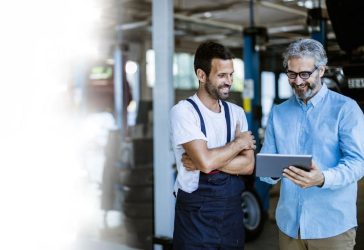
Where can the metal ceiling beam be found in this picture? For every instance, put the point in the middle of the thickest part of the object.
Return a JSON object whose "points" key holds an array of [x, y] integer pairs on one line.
{"points": [[282, 7], [207, 8], [184, 17], [133, 25], [223, 7], [209, 22], [235, 27], [284, 29]]}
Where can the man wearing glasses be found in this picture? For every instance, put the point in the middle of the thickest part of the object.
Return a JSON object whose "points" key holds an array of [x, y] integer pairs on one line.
{"points": [[317, 208]]}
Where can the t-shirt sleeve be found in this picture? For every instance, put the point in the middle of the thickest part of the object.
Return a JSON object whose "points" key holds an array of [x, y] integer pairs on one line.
{"points": [[185, 125], [244, 122], [238, 115]]}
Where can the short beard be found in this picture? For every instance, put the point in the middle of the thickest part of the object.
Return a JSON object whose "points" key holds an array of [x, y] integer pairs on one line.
{"points": [[213, 92], [310, 92], [305, 95]]}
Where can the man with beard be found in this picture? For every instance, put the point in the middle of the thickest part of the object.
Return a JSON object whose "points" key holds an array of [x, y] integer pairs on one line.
{"points": [[317, 208], [211, 152]]}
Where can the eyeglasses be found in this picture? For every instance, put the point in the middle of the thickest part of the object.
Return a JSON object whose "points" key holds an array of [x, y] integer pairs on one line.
{"points": [[304, 75]]}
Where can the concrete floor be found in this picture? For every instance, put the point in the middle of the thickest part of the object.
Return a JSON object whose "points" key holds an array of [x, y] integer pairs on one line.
{"points": [[108, 233], [100, 232], [268, 240], [111, 235]]}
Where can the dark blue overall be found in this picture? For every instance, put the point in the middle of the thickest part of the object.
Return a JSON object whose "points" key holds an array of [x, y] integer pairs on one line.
{"points": [[210, 217]]}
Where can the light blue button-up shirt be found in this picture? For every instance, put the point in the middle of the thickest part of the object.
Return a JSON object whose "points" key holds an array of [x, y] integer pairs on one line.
{"points": [[331, 129]]}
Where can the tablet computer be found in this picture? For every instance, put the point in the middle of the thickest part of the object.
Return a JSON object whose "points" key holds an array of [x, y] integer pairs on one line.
{"points": [[272, 165]]}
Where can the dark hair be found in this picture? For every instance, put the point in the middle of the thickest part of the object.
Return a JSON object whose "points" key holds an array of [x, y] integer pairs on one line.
{"points": [[208, 51]]}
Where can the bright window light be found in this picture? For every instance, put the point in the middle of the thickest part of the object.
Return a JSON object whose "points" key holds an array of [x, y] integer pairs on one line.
{"points": [[150, 68], [131, 67], [42, 195]]}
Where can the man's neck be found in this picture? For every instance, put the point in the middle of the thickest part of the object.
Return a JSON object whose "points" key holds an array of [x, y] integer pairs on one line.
{"points": [[209, 102]]}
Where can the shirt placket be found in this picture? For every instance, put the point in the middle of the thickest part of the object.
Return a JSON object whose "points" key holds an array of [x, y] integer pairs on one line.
{"points": [[303, 142], [303, 133]]}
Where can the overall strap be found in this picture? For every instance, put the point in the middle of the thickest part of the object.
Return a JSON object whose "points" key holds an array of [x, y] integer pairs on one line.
{"points": [[227, 118], [203, 128]]}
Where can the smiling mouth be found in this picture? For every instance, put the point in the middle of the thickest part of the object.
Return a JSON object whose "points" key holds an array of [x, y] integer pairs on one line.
{"points": [[225, 88], [301, 86]]}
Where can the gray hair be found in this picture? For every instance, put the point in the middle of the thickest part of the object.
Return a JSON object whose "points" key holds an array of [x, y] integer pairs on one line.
{"points": [[306, 48]]}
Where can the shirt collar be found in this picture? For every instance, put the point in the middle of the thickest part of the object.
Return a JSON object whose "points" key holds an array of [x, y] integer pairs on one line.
{"points": [[316, 98]]}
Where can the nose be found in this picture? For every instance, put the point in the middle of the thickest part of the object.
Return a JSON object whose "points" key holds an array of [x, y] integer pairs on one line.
{"points": [[298, 80], [229, 80]]}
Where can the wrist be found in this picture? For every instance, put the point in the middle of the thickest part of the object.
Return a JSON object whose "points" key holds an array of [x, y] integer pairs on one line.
{"points": [[322, 180]]}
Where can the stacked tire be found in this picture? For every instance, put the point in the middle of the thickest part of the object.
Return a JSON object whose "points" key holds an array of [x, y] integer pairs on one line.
{"points": [[136, 184], [111, 195]]}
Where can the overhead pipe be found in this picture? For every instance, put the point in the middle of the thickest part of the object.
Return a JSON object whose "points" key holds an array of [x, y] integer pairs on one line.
{"points": [[282, 7], [133, 25], [235, 27]]}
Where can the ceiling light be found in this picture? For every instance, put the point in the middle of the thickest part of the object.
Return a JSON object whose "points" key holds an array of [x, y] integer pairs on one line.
{"points": [[207, 14], [306, 3], [309, 4]]}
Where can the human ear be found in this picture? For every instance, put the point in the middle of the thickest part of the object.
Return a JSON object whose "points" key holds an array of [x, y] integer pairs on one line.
{"points": [[201, 75], [322, 71]]}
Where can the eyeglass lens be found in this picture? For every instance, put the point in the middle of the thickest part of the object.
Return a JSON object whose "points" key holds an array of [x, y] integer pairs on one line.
{"points": [[303, 74]]}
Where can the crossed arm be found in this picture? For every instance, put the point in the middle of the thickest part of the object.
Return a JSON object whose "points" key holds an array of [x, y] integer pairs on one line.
{"points": [[236, 157]]}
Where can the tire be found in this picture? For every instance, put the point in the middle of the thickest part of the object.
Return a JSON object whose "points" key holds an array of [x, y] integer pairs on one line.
{"points": [[138, 194], [139, 225], [135, 177], [139, 240], [138, 210], [253, 214]]}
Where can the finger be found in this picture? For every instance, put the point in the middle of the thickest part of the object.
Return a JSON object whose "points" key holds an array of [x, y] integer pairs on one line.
{"points": [[289, 170], [291, 174], [314, 166], [289, 177], [300, 177], [293, 178], [298, 171], [190, 167], [186, 156]]}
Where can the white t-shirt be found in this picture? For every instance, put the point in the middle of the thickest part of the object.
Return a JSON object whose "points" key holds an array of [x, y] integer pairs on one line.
{"points": [[185, 125]]}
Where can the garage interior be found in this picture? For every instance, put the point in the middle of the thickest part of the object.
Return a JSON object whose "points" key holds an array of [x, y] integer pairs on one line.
{"points": [[94, 151]]}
